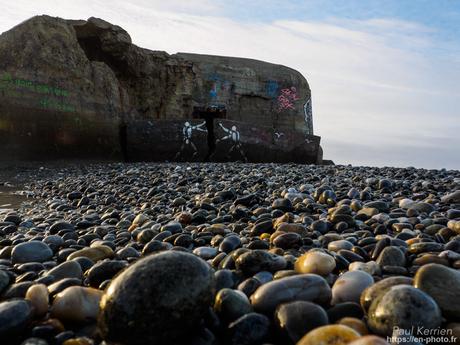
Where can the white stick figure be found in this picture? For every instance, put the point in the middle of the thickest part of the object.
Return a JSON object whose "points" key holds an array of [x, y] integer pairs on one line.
{"points": [[234, 135], [187, 132]]}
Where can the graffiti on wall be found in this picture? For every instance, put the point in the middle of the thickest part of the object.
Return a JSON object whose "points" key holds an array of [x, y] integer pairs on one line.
{"points": [[233, 135], [308, 116], [187, 132], [219, 86], [287, 99], [271, 88], [12, 87]]}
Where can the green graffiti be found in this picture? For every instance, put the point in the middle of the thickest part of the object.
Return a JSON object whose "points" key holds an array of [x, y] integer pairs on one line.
{"points": [[52, 104], [7, 82]]}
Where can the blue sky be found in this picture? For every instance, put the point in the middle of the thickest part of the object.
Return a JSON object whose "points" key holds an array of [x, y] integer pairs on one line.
{"points": [[385, 75]]}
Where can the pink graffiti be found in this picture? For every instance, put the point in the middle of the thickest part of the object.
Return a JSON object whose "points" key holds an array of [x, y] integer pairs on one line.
{"points": [[287, 98]]}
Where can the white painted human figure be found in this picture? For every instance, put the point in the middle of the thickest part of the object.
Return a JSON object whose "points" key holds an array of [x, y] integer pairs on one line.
{"points": [[187, 132], [234, 135]]}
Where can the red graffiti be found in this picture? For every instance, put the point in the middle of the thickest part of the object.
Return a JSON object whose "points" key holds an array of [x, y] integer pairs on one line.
{"points": [[287, 98]]}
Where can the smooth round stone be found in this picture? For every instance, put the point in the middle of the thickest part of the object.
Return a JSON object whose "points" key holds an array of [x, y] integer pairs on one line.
{"points": [[443, 285], [329, 335], [259, 260], [38, 297], [423, 207], [33, 251], [249, 329], [229, 244], [127, 252], [370, 267], [104, 270], [391, 256], [369, 340], [302, 287], [451, 198], [282, 204], [423, 247], [231, 304], [67, 269], [206, 253], [4, 280], [403, 306], [76, 304], [381, 287], [288, 240], [93, 253], [160, 299], [335, 246], [349, 286], [63, 284], [15, 315], [315, 262], [346, 309], [35, 341], [295, 319]]}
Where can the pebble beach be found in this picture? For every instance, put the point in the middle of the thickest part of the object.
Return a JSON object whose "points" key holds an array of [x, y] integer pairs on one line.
{"points": [[230, 254]]}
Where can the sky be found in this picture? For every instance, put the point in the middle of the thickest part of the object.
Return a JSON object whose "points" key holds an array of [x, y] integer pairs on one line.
{"points": [[384, 75]]}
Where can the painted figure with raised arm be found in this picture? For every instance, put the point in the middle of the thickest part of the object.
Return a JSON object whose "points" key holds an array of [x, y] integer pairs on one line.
{"points": [[233, 135], [187, 132]]}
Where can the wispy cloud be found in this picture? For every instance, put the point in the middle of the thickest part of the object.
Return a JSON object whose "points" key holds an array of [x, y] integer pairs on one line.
{"points": [[384, 90]]}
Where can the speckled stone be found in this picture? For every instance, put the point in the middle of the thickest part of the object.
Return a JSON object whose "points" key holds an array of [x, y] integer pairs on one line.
{"points": [[403, 306], [155, 295], [443, 285]]}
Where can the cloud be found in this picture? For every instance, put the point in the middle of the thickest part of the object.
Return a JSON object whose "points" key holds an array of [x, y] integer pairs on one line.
{"points": [[381, 87]]}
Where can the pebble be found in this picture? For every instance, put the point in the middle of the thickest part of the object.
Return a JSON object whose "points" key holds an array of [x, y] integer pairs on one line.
{"points": [[68, 269], [76, 304], [33, 251], [443, 285], [295, 319], [302, 287], [315, 262], [403, 306], [231, 304], [376, 290], [329, 335], [38, 296], [249, 329], [15, 315], [179, 294], [349, 286]]}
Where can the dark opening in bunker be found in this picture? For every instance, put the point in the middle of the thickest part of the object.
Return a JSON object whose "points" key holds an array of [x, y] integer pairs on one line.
{"points": [[209, 113]]}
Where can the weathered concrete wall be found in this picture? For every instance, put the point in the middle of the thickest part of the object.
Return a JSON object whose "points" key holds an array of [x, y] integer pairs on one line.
{"points": [[82, 89], [166, 141]]}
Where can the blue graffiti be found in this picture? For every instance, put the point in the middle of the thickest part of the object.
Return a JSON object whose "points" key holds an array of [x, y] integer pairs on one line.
{"points": [[271, 87]]}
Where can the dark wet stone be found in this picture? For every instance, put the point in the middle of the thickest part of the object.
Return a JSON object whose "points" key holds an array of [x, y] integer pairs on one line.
{"points": [[259, 260], [4, 280], [104, 270], [345, 309], [15, 316], [17, 290], [229, 244], [249, 329], [152, 309], [288, 240], [381, 287], [443, 285], [423, 247], [296, 319], [265, 226], [84, 262], [33, 251], [225, 279], [282, 204], [63, 284], [403, 306], [68, 269], [249, 286], [302, 287], [231, 304], [391, 256], [61, 225]]}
